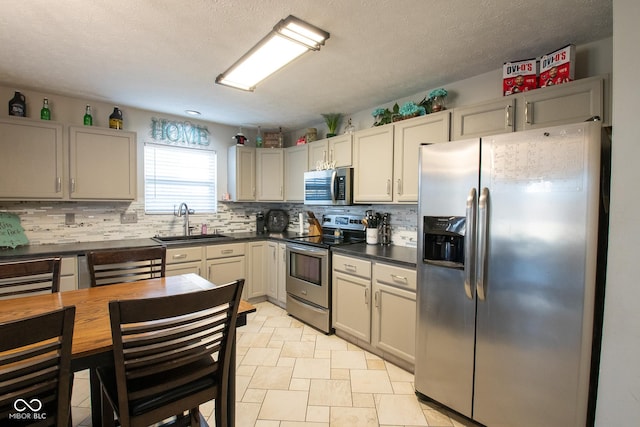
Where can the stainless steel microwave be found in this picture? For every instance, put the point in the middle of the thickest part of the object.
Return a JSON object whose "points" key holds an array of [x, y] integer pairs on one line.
{"points": [[329, 187]]}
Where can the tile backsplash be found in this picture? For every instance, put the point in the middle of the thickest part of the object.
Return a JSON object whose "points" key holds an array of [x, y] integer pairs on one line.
{"points": [[72, 222]]}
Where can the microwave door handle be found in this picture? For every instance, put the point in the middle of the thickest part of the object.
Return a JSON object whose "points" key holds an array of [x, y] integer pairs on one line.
{"points": [[334, 174]]}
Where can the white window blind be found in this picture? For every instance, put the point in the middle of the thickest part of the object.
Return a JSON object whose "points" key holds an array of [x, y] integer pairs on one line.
{"points": [[173, 175]]}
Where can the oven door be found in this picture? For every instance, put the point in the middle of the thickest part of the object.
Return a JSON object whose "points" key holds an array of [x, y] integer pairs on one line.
{"points": [[308, 274]]}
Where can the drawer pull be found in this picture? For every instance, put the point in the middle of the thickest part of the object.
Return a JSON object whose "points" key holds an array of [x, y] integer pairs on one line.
{"points": [[350, 267], [226, 251], [179, 256], [397, 278]]}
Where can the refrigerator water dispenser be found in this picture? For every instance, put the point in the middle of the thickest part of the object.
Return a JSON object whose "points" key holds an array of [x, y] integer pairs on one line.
{"points": [[444, 241]]}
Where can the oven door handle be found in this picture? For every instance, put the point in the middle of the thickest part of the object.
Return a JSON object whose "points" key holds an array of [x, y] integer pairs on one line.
{"points": [[304, 249]]}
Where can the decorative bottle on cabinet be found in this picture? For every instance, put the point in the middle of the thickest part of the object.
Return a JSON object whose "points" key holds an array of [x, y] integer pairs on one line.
{"points": [[115, 119], [88, 119], [45, 112], [18, 105]]}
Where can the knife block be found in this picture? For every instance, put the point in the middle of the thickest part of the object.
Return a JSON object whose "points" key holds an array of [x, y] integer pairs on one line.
{"points": [[314, 228]]}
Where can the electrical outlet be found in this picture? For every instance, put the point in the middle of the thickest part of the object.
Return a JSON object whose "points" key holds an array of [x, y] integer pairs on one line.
{"points": [[128, 218], [69, 219]]}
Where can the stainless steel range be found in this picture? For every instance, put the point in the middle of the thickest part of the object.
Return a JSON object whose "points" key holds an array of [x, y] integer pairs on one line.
{"points": [[309, 269]]}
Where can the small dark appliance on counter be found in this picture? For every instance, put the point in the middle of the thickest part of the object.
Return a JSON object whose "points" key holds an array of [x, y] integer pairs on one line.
{"points": [[260, 224]]}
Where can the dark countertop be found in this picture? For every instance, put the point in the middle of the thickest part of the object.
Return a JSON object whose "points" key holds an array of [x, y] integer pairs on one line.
{"points": [[70, 249], [30, 251], [393, 254]]}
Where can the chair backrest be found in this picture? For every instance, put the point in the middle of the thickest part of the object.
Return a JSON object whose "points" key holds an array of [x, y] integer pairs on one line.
{"points": [[107, 267], [35, 369], [172, 347], [23, 278]]}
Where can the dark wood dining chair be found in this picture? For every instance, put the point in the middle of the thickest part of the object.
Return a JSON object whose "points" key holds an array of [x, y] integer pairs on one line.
{"points": [[107, 267], [35, 369], [23, 278], [171, 354]]}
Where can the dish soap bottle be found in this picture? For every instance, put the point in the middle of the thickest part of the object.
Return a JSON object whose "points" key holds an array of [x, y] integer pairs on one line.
{"points": [[45, 113], [115, 119], [88, 119], [18, 105]]}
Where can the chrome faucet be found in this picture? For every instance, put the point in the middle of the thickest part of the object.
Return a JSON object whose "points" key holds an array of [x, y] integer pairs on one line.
{"points": [[183, 210]]}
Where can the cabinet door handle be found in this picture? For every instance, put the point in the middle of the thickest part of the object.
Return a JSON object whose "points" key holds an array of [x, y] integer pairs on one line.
{"points": [[388, 187], [375, 298], [399, 186], [58, 184], [281, 190], [507, 114], [331, 155], [527, 118], [397, 278], [73, 185], [366, 296]]}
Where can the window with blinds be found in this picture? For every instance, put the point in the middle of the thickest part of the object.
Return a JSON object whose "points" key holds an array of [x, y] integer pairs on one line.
{"points": [[173, 175]]}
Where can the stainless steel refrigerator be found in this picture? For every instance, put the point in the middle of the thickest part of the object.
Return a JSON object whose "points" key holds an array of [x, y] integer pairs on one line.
{"points": [[507, 254]]}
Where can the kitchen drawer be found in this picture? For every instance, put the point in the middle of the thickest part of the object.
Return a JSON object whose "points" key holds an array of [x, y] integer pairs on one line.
{"points": [[354, 266], [176, 255], [395, 276], [224, 251]]}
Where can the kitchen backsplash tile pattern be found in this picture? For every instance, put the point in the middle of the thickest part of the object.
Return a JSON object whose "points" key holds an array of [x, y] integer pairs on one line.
{"points": [[72, 222]]}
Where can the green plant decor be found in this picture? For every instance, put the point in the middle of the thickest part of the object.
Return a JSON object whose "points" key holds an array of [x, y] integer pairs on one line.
{"points": [[332, 120]]}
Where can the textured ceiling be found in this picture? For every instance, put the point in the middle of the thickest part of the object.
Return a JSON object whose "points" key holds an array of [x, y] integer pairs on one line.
{"points": [[164, 55]]}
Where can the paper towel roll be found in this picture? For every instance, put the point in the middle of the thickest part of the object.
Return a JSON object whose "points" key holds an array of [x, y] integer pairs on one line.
{"points": [[301, 222]]}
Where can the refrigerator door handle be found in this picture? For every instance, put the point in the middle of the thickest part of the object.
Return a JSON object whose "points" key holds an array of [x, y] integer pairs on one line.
{"points": [[483, 224], [470, 244]]}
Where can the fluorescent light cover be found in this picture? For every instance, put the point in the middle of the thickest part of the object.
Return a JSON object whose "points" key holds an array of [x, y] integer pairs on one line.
{"points": [[289, 39]]}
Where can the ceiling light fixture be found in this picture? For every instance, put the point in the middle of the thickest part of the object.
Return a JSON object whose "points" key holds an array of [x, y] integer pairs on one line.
{"points": [[290, 38], [192, 112]]}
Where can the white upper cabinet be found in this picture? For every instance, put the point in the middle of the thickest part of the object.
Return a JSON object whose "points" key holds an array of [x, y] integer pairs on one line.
{"points": [[408, 135], [295, 165], [270, 174], [37, 164], [373, 165], [241, 173], [102, 164], [487, 118], [338, 149], [31, 163]]}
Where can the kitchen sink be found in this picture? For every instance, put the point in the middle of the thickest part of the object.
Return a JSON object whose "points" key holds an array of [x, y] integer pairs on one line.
{"points": [[204, 238]]}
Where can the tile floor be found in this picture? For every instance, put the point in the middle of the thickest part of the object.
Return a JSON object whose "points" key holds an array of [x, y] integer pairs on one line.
{"points": [[290, 375]]}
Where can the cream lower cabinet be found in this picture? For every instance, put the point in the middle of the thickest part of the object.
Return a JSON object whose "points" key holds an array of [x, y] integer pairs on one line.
{"points": [[257, 276], [351, 283], [184, 260], [69, 273], [276, 268], [394, 310], [270, 174], [226, 263], [374, 304]]}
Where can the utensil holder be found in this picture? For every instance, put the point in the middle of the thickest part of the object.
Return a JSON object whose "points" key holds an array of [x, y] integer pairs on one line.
{"points": [[372, 236]]}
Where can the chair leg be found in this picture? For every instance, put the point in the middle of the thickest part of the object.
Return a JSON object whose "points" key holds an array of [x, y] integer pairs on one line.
{"points": [[108, 419]]}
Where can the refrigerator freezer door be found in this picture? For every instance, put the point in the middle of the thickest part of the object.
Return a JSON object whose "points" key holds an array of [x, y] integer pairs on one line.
{"points": [[446, 314], [533, 327]]}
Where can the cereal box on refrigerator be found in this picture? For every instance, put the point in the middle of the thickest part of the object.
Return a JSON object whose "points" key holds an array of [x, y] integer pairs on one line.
{"points": [[519, 76], [557, 67]]}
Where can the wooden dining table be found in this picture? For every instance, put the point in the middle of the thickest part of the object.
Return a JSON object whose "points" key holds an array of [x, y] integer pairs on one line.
{"points": [[92, 344]]}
